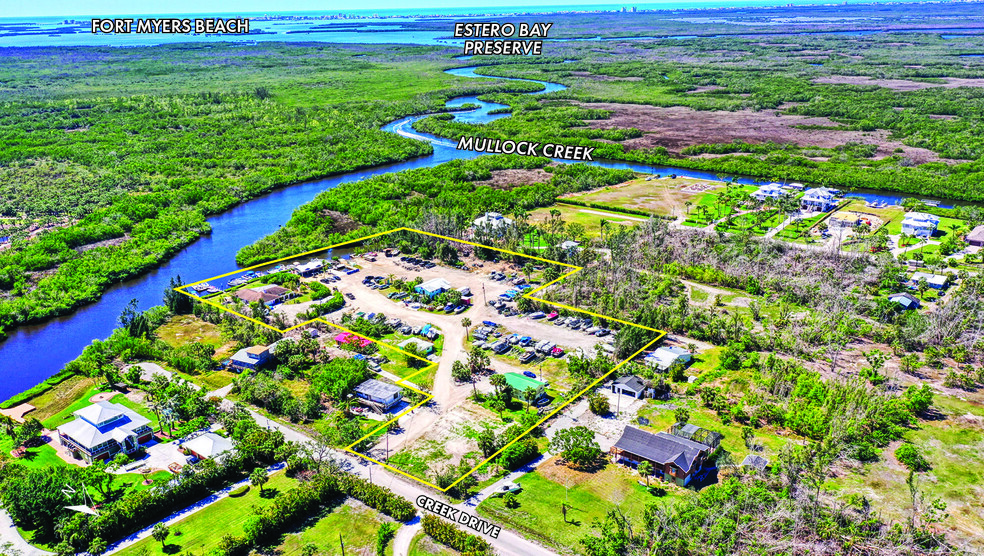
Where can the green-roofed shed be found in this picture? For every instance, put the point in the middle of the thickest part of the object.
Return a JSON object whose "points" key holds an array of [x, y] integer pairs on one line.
{"points": [[520, 383]]}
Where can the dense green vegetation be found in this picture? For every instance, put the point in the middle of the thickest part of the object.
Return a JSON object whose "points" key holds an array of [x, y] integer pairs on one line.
{"points": [[444, 200], [123, 153]]}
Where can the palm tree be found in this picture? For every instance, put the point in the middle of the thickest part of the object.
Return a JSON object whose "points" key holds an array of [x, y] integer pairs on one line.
{"points": [[466, 322]]}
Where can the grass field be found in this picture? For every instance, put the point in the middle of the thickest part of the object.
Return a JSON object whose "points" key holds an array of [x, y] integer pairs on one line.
{"points": [[65, 415], [423, 545], [588, 217], [588, 497], [202, 531], [350, 523], [660, 196]]}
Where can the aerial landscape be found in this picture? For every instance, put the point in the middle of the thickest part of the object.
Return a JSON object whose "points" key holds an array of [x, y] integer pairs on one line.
{"points": [[602, 280]]}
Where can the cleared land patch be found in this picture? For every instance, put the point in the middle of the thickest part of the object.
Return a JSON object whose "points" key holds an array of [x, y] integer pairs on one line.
{"points": [[678, 127]]}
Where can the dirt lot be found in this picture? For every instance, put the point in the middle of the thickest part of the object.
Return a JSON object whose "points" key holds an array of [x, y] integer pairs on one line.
{"points": [[507, 179], [662, 196], [677, 127], [898, 84]]}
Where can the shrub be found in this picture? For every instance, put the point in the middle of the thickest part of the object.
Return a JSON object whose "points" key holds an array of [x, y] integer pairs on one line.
{"points": [[239, 491], [909, 456], [510, 500], [598, 404], [445, 533]]}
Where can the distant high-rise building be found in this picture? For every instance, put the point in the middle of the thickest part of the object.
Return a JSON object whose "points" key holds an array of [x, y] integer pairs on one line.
{"points": [[633, 9]]}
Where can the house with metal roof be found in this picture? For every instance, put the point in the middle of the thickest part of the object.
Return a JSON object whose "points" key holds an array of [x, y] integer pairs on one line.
{"points": [[631, 385], [976, 236], [104, 429], [664, 357], [379, 395], [920, 224], [493, 221], [208, 445], [934, 281], [769, 191], [819, 199], [906, 301], [433, 287], [521, 382], [250, 358], [755, 461], [422, 346], [673, 458]]}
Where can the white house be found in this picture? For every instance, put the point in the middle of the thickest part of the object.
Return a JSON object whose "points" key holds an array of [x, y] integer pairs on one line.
{"points": [[208, 445], [934, 281], [379, 394], [819, 199], [769, 191], [104, 429], [920, 224], [492, 221], [433, 287], [664, 357]]}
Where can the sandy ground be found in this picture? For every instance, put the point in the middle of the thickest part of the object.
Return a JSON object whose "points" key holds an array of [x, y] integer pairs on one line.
{"points": [[507, 179], [898, 84], [449, 407], [677, 127]]}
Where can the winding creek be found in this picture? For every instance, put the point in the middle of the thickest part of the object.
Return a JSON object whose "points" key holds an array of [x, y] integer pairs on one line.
{"points": [[33, 353]]}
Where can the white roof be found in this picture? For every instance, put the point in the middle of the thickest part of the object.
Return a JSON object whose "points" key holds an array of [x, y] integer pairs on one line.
{"points": [[920, 219], [569, 245], [311, 265], [818, 194], [769, 190], [435, 284], [420, 344], [84, 430], [492, 219], [930, 278], [208, 445], [666, 355]]}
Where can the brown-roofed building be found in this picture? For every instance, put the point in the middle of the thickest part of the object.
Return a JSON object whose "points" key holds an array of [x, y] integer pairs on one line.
{"points": [[269, 295], [976, 236]]}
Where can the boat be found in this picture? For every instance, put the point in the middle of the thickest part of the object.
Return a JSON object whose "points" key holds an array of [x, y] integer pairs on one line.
{"points": [[929, 202]]}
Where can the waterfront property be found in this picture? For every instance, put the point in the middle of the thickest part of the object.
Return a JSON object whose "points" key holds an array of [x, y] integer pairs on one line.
{"points": [[819, 199], [976, 236], [268, 295], [250, 358], [920, 224], [843, 219], [769, 191], [379, 395], [673, 458], [433, 287], [104, 429], [631, 385]]}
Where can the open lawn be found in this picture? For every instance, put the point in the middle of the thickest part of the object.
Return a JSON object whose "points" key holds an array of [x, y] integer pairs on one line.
{"points": [[666, 196], [202, 531], [61, 396], [351, 523], [589, 497], [952, 448], [756, 222], [590, 218], [184, 329]]}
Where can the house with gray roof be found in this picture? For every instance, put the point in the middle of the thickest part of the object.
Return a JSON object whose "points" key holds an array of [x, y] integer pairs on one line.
{"points": [[631, 385], [379, 395], [673, 458], [103, 429]]}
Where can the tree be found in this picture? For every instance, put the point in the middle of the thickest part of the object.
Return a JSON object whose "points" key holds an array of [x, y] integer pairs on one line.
{"points": [[498, 406], [498, 382], [486, 441], [258, 478], [910, 363], [465, 323], [530, 395], [748, 436], [682, 415], [645, 470], [478, 360], [598, 404], [576, 445], [160, 532], [97, 547], [460, 372], [176, 302]]}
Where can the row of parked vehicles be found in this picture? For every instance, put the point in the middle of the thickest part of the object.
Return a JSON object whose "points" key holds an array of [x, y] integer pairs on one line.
{"points": [[488, 337], [513, 278], [574, 323], [419, 263]]}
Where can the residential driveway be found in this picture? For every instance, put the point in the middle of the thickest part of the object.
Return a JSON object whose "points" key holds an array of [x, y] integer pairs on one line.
{"points": [[158, 457], [9, 534]]}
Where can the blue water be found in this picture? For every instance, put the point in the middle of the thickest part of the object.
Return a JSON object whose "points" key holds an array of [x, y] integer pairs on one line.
{"points": [[32, 353]]}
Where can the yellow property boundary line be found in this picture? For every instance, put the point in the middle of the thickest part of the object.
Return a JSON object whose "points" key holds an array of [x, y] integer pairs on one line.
{"points": [[427, 396]]}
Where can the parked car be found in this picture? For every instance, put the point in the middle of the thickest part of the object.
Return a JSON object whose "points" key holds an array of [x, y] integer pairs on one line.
{"points": [[530, 374], [530, 355], [557, 352], [525, 341]]}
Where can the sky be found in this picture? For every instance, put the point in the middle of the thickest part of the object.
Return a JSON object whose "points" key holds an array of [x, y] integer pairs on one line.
{"points": [[67, 8]]}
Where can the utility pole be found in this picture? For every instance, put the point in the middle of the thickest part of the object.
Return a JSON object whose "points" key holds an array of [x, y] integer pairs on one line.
{"points": [[484, 299], [341, 542]]}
